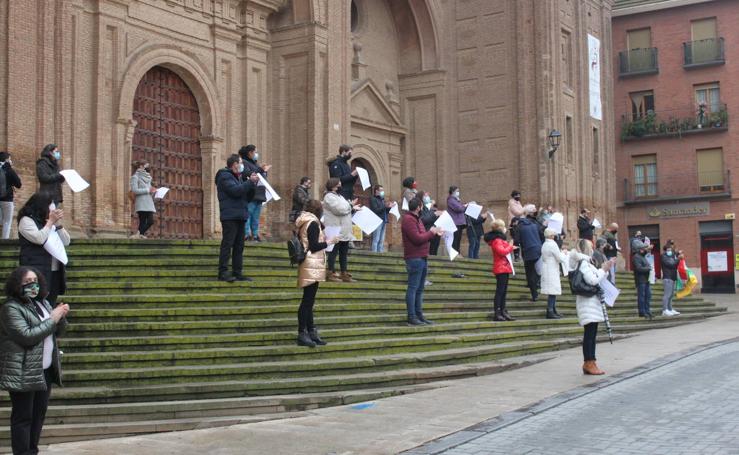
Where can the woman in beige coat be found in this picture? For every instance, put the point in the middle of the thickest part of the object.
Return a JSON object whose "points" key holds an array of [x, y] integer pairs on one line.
{"points": [[338, 216], [312, 270]]}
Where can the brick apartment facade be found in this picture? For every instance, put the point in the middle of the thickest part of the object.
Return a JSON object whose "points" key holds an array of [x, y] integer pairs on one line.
{"points": [[676, 105], [461, 92]]}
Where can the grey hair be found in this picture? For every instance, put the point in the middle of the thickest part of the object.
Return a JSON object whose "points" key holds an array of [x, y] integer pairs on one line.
{"points": [[528, 209], [550, 233], [585, 247]]}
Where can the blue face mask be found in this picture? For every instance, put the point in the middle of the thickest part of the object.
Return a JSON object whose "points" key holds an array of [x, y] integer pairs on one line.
{"points": [[241, 168], [669, 253], [381, 194], [57, 155]]}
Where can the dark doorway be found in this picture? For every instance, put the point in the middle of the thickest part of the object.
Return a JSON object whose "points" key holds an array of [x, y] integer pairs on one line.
{"points": [[717, 257]]}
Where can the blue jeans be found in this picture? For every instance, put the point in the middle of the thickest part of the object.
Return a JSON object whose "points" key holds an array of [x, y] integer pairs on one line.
{"points": [[643, 295], [473, 252], [417, 269], [378, 239], [252, 223]]}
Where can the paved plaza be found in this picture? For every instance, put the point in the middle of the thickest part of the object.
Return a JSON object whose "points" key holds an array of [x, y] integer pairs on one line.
{"points": [[689, 406]]}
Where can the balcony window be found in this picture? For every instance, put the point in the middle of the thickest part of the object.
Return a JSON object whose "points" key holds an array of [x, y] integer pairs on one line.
{"points": [[641, 57], [705, 47], [710, 170], [645, 175], [641, 104], [709, 96]]}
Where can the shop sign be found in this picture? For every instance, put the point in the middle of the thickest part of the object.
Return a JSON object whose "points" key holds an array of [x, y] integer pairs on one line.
{"points": [[679, 210], [736, 261], [729, 216]]}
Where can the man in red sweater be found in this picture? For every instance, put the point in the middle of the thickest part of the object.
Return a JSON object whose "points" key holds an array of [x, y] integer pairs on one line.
{"points": [[416, 241]]}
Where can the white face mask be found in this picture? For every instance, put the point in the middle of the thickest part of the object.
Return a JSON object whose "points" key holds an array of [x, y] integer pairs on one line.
{"points": [[256, 157], [456, 194], [52, 207]]}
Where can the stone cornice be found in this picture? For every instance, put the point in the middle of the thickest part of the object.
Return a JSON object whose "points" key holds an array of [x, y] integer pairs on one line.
{"points": [[656, 6]]}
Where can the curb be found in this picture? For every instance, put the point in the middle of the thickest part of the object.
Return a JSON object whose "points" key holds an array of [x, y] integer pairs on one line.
{"points": [[504, 420]]}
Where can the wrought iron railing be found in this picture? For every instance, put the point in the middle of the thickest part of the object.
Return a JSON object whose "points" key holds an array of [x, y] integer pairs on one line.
{"points": [[638, 61], [678, 185], [704, 52], [674, 122]]}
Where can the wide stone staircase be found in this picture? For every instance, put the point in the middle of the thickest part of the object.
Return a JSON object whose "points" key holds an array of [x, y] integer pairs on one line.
{"points": [[155, 343]]}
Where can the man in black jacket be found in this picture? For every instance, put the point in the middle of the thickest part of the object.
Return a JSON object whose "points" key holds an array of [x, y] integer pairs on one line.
{"points": [[585, 226], [301, 196], [47, 172], [642, 269], [233, 196], [381, 207], [339, 168], [669, 260], [249, 157], [12, 181]]}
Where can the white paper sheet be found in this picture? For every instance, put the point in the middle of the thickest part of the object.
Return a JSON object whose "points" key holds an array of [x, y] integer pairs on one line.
{"points": [[55, 247], [491, 217], [395, 212], [446, 223], [330, 232], [556, 222], [473, 210], [610, 292], [717, 261], [161, 192], [596, 223], [366, 220], [74, 180], [364, 177], [510, 261], [448, 240], [405, 204], [270, 191]]}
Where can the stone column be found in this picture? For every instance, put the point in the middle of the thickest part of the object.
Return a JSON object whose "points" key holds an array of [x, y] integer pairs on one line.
{"points": [[212, 155]]}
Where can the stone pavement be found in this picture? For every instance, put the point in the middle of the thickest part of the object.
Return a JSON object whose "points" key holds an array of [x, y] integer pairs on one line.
{"points": [[403, 423], [687, 406]]}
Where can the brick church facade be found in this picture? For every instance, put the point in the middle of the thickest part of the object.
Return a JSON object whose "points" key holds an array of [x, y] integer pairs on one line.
{"points": [[461, 92]]}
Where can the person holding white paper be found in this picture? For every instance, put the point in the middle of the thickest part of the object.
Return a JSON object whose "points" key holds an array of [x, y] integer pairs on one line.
{"points": [[142, 191], [36, 221], [338, 213], [312, 270], [475, 230], [456, 209], [47, 172], [502, 267], [585, 226], [552, 260], [249, 157], [339, 167], [415, 252], [429, 214], [410, 191], [381, 208]]}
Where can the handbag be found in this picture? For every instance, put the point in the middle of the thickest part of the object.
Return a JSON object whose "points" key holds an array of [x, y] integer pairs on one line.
{"points": [[579, 286]]}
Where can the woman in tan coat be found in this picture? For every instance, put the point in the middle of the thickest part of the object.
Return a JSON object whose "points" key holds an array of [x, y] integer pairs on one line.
{"points": [[312, 270]]}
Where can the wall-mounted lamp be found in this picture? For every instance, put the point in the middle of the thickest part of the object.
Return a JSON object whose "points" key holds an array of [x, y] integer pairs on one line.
{"points": [[554, 137]]}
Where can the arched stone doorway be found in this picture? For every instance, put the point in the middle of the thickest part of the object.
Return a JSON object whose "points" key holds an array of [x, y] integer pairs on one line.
{"points": [[167, 135]]}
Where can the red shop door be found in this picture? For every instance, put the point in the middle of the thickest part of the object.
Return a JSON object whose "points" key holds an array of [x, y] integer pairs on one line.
{"points": [[717, 264]]}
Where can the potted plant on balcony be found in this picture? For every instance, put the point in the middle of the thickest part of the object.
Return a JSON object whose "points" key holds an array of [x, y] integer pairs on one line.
{"points": [[701, 115]]}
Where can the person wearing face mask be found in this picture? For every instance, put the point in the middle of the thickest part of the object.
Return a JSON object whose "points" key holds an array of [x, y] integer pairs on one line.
{"points": [[340, 168], [47, 172], [515, 212], [12, 182], [429, 214], [641, 267], [143, 192], [531, 236], [301, 196], [381, 207], [234, 194], [249, 157], [670, 261], [37, 219], [337, 214], [30, 363], [502, 267], [612, 249], [456, 210], [410, 188]]}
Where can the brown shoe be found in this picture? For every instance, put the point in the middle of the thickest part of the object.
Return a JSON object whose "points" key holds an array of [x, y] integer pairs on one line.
{"points": [[591, 368], [333, 277], [347, 278]]}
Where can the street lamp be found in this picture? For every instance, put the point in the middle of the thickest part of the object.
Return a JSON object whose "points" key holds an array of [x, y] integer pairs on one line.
{"points": [[554, 137]]}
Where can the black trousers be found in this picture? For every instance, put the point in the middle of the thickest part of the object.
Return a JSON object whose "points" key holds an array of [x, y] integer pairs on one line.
{"points": [[27, 418], [501, 289], [55, 286], [232, 245], [305, 310], [146, 220], [342, 249], [457, 240], [532, 278], [588, 340], [434, 246]]}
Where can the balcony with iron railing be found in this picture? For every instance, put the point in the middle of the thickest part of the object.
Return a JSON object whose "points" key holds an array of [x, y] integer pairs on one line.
{"points": [[675, 122], [707, 52], [678, 187], [638, 62]]}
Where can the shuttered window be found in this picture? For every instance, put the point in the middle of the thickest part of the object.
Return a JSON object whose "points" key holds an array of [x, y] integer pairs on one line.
{"points": [[710, 169], [703, 29], [639, 39]]}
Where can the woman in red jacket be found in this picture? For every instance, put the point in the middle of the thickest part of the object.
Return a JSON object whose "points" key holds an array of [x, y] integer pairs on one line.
{"points": [[502, 268]]}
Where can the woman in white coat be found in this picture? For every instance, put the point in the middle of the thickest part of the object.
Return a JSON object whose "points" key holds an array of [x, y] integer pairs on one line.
{"points": [[552, 259], [589, 309], [337, 214]]}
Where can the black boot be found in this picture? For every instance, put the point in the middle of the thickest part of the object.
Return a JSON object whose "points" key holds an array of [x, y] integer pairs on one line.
{"points": [[498, 315], [305, 340], [507, 316], [552, 315], [557, 313], [313, 333]]}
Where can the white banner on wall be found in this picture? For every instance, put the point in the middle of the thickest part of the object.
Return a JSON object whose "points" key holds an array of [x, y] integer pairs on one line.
{"points": [[596, 110]]}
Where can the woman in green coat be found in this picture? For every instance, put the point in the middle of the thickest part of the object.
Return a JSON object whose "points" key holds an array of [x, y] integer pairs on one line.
{"points": [[29, 357]]}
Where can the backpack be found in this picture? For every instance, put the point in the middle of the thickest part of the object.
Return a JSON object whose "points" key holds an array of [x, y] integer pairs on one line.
{"points": [[3, 183], [579, 286], [295, 250]]}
